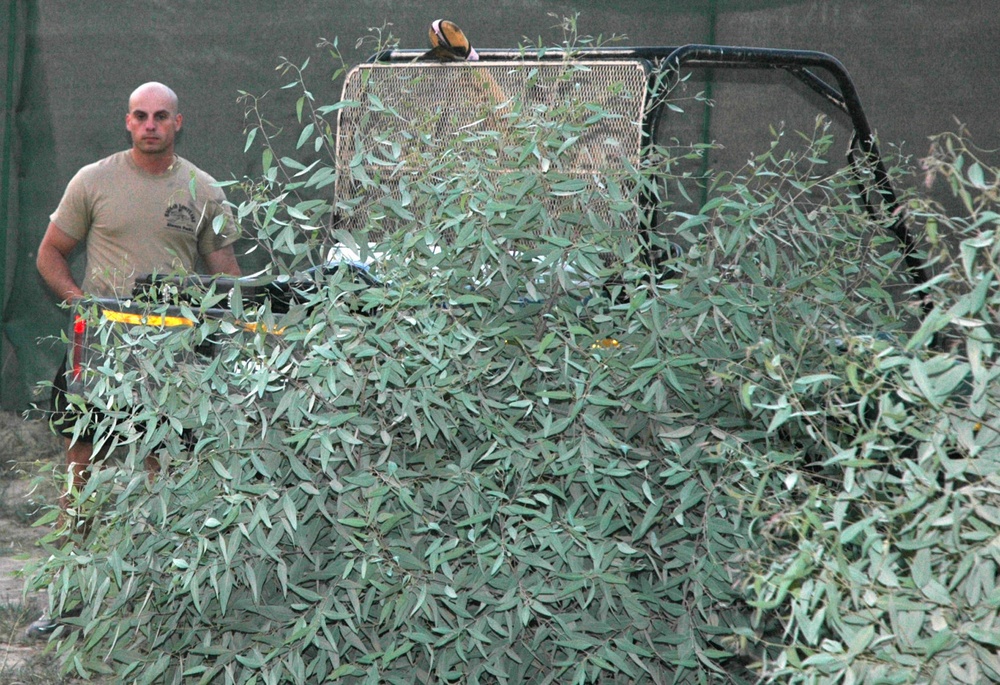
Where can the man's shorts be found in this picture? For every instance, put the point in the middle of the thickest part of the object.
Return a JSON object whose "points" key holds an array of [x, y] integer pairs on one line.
{"points": [[65, 414]]}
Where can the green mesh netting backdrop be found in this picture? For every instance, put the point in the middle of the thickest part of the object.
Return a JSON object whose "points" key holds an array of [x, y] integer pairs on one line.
{"points": [[69, 66]]}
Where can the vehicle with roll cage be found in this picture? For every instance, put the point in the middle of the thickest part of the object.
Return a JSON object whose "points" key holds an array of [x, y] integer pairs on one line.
{"points": [[401, 86]]}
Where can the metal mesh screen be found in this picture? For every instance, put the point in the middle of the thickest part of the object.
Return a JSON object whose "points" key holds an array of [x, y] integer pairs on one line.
{"points": [[401, 120]]}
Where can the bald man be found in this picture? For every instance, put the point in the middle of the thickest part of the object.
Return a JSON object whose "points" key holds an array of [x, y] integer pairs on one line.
{"points": [[140, 211], [136, 212]]}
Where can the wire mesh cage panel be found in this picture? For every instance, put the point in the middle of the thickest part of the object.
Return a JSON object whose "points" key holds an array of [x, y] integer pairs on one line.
{"points": [[577, 125]]}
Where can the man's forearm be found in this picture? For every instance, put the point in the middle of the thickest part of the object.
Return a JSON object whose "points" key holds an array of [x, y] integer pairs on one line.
{"points": [[56, 273]]}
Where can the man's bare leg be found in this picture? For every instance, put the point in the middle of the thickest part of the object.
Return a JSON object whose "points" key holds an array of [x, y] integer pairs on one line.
{"points": [[78, 458]]}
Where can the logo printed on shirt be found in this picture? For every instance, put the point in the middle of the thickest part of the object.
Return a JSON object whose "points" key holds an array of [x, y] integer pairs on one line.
{"points": [[181, 218]]}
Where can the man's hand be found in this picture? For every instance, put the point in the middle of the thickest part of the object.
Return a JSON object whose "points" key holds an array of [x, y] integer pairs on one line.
{"points": [[223, 261]]}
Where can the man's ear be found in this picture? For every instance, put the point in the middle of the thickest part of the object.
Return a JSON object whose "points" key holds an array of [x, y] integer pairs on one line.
{"points": [[180, 120]]}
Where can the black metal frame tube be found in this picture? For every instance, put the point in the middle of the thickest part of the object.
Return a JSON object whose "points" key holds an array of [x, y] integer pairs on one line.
{"points": [[799, 63]]}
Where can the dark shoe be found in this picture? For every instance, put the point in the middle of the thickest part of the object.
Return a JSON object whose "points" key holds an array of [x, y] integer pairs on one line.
{"points": [[42, 628]]}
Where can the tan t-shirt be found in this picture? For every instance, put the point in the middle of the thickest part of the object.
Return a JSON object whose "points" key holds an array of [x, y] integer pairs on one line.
{"points": [[138, 223]]}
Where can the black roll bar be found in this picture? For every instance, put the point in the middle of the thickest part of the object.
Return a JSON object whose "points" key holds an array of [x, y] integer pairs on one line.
{"points": [[799, 63], [845, 97]]}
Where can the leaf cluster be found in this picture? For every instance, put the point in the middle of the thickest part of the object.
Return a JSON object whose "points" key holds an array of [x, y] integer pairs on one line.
{"points": [[550, 444]]}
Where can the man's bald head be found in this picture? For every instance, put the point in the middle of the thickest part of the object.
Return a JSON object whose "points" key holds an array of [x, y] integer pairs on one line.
{"points": [[154, 89]]}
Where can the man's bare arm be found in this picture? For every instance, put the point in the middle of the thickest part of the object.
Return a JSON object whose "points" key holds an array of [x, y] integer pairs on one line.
{"points": [[52, 263], [223, 261]]}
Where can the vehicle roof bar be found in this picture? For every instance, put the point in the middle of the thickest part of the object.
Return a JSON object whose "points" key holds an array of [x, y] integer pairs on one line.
{"points": [[798, 63]]}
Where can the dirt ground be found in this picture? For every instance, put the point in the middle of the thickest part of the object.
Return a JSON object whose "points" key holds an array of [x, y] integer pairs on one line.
{"points": [[28, 451], [18, 539]]}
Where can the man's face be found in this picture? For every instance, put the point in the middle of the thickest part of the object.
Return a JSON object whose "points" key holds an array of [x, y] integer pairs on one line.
{"points": [[153, 122]]}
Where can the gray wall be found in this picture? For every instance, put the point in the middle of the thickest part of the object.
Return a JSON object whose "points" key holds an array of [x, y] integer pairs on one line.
{"points": [[918, 64]]}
